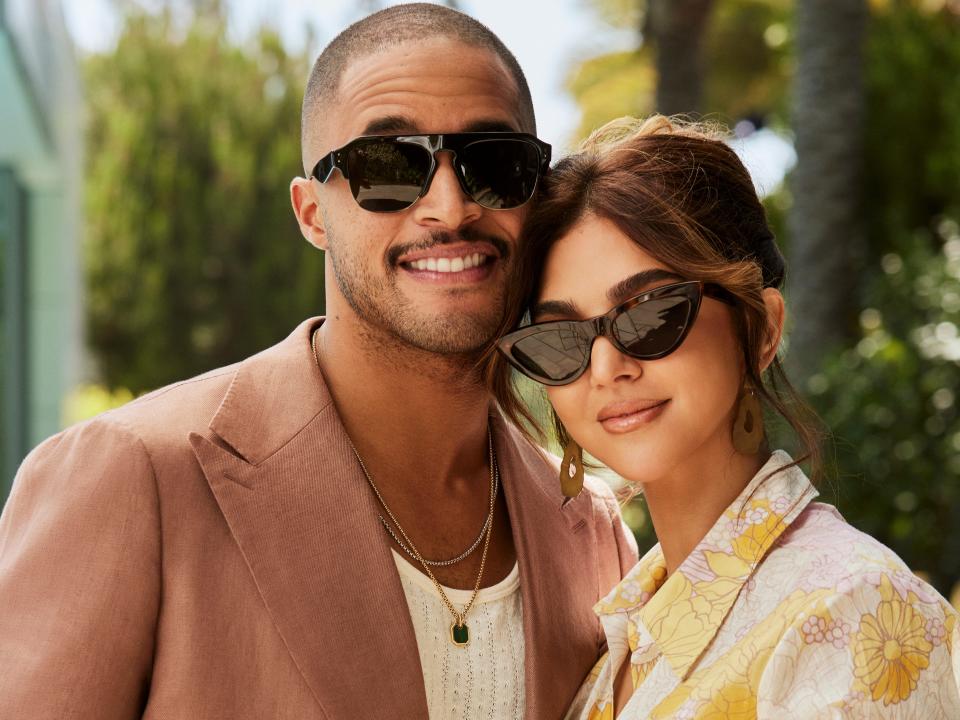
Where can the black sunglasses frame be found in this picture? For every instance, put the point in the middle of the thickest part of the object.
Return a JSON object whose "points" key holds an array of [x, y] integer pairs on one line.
{"points": [[451, 142], [602, 326]]}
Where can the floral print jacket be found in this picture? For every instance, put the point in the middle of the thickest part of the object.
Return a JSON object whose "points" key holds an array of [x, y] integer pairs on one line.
{"points": [[782, 611]]}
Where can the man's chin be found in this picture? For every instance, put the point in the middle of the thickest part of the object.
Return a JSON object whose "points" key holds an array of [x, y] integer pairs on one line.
{"points": [[459, 335]]}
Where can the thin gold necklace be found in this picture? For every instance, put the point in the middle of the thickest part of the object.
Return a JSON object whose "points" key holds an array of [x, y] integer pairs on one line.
{"points": [[441, 563], [459, 632]]}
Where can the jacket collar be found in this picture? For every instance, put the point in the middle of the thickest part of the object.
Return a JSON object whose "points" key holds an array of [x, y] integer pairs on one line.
{"points": [[273, 396], [279, 463], [682, 614]]}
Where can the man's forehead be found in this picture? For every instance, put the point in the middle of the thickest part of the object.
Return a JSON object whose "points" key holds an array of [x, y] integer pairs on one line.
{"points": [[428, 86]]}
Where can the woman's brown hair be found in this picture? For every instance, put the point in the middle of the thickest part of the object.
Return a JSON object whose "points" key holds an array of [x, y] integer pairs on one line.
{"points": [[681, 193]]}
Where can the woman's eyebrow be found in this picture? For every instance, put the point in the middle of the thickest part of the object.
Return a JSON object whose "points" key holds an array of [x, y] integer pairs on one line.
{"points": [[630, 286], [561, 308]]}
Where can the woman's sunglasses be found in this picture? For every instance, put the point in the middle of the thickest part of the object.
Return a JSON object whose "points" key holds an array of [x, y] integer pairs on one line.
{"points": [[646, 327], [389, 173]]}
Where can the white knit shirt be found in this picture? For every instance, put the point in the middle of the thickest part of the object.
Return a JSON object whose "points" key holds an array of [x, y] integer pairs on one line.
{"points": [[483, 679]]}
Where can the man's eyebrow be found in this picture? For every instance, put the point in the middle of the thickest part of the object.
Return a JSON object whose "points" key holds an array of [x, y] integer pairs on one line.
{"points": [[490, 126], [635, 283], [561, 308], [399, 125], [389, 125]]}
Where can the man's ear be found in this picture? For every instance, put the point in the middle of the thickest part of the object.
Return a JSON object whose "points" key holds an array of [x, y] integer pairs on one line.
{"points": [[305, 207], [776, 317]]}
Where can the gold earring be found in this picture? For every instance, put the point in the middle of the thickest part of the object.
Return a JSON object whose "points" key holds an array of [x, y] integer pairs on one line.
{"points": [[748, 427], [571, 484]]}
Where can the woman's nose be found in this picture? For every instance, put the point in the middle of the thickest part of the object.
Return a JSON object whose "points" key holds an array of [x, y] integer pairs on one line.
{"points": [[608, 365]]}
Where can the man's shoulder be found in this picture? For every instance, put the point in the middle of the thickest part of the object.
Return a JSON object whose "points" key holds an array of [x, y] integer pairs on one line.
{"points": [[167, 416], [176, 409], [133, 433]]}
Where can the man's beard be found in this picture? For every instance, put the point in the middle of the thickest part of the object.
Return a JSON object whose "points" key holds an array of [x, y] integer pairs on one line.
{"points": [[380, 304]]}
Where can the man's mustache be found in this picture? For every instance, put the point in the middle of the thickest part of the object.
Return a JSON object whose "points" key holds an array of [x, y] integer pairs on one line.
{"points": [[441, 237]]}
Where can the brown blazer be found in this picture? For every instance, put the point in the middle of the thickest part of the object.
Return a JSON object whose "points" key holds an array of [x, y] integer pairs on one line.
{"points": [[211, 550]]}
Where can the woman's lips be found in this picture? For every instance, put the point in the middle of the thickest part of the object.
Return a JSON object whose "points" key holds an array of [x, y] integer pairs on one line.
{"points": [[624, 417]]}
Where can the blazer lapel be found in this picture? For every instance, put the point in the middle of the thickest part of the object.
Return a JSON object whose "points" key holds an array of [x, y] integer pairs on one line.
{"points": [[280, 467], [556, 550]]}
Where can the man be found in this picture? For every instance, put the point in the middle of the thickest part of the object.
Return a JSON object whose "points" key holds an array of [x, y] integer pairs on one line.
{"points": [[216, 548]]}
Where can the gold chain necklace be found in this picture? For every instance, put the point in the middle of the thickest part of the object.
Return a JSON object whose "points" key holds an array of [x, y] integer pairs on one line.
{"points": [[452, 561], [459, 632]]}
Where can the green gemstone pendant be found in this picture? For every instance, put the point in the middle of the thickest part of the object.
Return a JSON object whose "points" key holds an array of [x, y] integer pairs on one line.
{"points": [[459, 635]]}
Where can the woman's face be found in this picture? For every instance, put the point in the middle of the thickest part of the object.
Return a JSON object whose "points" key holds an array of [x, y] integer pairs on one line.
{"points": [[645, 419]]}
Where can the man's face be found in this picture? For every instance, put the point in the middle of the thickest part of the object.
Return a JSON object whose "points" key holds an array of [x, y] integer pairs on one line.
{"points": [[432, 276]]}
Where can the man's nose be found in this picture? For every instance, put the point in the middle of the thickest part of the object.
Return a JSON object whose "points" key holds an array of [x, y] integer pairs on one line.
{"points": [[445, 204]]}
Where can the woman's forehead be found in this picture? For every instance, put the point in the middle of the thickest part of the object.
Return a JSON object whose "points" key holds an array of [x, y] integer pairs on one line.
{"points": [[593, 257]]}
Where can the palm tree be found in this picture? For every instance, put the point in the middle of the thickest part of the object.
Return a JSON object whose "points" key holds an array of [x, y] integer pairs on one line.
{"points": [[677, 29], [825, 224]]}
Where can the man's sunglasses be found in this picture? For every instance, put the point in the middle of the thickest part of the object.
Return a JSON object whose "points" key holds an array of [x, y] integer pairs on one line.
{"points": [[646, 327], [389, 173]]}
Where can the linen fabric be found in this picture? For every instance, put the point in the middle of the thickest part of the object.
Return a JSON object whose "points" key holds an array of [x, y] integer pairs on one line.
{"points": [[212, 550], [782, 611], [483, 679]]}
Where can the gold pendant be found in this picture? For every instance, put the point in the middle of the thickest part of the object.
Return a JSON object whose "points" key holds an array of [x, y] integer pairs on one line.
{"points": [[459, 635]]}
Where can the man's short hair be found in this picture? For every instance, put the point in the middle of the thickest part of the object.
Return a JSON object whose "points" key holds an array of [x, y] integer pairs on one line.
{"points": [[388, 28]]}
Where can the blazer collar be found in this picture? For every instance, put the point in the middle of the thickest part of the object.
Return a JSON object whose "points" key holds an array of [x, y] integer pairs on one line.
{"points": [[273, 396], [279, 463], [682, 614]]}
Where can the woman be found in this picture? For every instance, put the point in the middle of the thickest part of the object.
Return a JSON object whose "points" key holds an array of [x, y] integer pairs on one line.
{"points": [[652, 282]]}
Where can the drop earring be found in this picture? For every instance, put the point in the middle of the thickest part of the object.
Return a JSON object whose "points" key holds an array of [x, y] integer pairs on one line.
{"points": [[571, 483], [748, 427]]}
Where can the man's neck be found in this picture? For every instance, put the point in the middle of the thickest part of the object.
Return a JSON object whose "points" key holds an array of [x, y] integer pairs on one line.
{"points": [[419, 423], [410, 412]]}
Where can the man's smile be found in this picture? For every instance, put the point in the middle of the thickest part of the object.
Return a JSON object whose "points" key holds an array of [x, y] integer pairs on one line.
{"points": [[458, 262]]}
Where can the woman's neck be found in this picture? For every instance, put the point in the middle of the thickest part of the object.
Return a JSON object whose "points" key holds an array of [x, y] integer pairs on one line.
{"points": [[686, 504]]}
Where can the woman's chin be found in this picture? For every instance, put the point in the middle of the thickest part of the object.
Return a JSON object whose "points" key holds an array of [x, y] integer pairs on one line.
{"points": [[636, 471]]}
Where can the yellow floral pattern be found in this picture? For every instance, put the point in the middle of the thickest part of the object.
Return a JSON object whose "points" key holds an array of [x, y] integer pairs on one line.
{"points": [[890, 649], [782, 610]]}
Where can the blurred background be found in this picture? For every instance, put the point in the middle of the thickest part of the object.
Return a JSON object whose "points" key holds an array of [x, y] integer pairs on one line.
{"points": [[146, 147]]}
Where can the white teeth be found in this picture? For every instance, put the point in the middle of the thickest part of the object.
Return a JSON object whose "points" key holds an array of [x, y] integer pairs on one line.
{"points": [[448, 265]]}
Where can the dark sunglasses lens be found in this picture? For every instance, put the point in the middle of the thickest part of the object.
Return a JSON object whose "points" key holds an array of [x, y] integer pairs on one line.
{"points": [[556, 353], [386, 175], [500, 173], [654, 327]]}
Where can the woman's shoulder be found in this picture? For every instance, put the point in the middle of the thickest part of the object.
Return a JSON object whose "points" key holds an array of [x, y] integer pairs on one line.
{"points": [[843, 566], [859, 631], [820, 534]]}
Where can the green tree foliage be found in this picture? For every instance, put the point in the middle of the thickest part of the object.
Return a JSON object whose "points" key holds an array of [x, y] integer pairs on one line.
{"points": [[613, 85], [193, 256], [748, 61], [890, 399], [913, 133], [891, 403]]}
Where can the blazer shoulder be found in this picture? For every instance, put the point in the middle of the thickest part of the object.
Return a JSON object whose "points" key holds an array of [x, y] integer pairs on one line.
{"points": [[97, 453], [185, 405]]}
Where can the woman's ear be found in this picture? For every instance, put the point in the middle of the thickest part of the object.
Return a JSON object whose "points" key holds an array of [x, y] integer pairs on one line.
{"points": [[776, 316]]}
